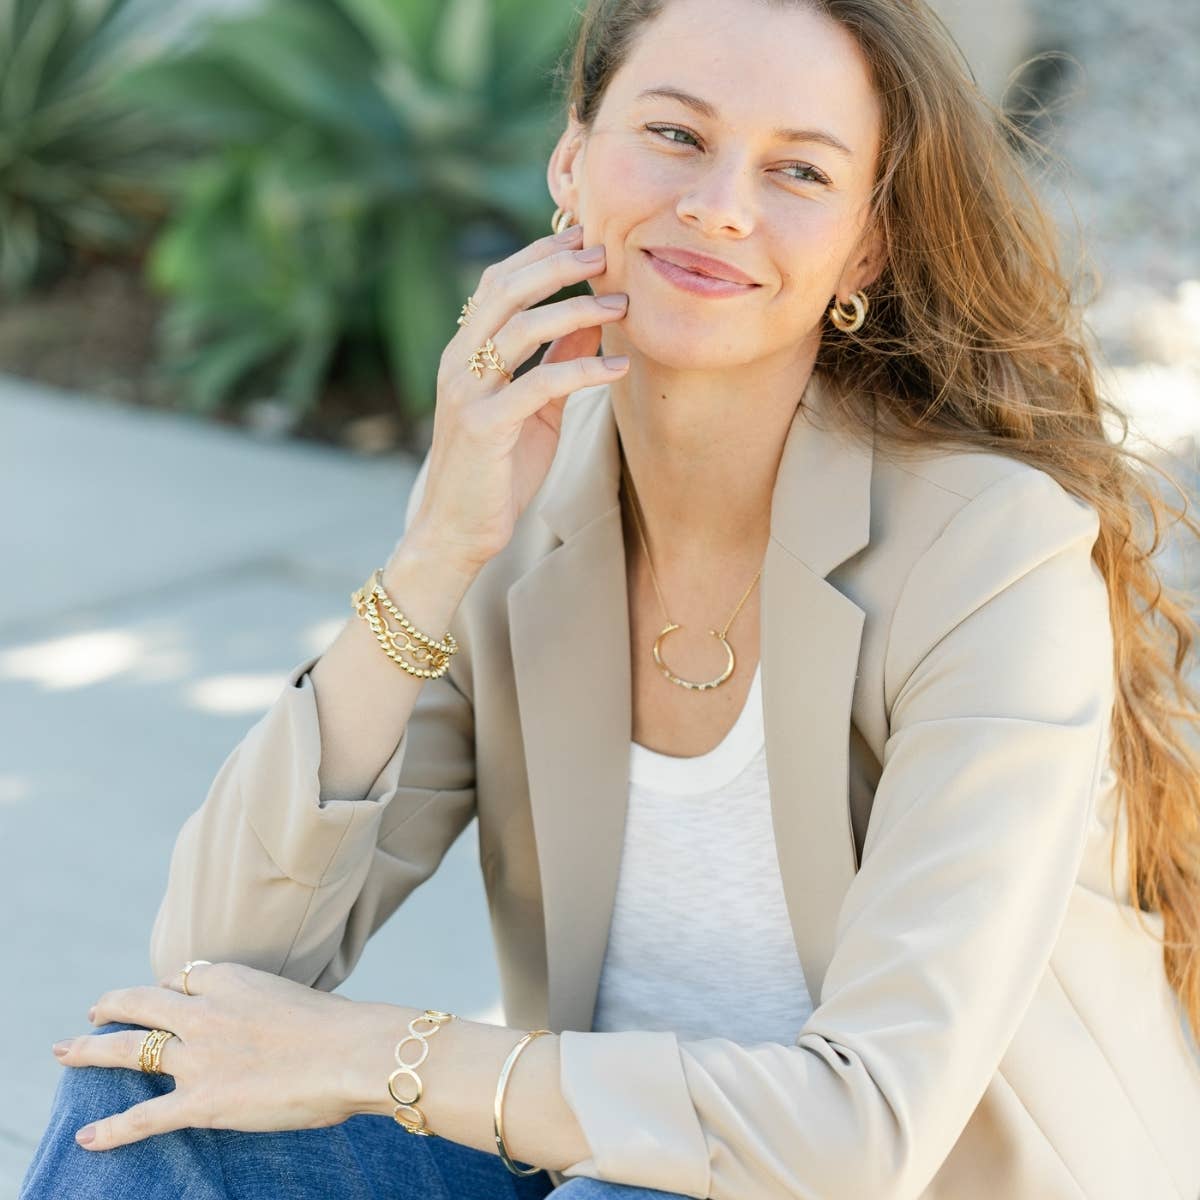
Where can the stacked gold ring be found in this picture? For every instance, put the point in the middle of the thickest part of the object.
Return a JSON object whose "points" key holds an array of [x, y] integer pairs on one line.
{"points": [[151, 1051]]}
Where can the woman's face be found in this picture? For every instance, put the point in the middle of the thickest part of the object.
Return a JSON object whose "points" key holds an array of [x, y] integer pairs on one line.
{"points": [[657, 171]]}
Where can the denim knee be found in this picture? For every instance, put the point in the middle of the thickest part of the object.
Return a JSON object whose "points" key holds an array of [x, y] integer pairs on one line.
{"points": [[167, 1165]]}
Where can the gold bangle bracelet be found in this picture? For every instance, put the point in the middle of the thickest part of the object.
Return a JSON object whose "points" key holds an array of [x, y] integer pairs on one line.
{"points": [[501, 1086]]}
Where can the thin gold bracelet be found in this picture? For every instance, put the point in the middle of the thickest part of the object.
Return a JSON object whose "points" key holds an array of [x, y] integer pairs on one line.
{"points": [[501, 1086]]}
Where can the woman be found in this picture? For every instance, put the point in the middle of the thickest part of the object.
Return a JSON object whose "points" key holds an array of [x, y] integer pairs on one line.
{"points": [[906, 968]]}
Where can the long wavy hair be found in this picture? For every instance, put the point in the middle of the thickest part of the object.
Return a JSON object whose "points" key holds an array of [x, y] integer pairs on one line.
{"points": [[975, 337]]}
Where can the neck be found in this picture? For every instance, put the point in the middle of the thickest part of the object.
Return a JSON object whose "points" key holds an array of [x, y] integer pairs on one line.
{"points": [[703, 465]]}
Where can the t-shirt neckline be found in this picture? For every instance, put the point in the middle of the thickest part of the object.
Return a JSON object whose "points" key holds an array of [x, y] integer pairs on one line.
{"points": [[705, 772]]}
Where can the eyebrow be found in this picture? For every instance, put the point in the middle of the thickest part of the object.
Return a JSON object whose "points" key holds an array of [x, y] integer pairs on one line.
{"points": [[784, 135]]}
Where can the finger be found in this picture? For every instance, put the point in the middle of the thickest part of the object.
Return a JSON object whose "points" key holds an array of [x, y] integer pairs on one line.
{"points": [[551, 382], [173, 982], [535, 251], [503, 293], [579, 343], [163, 1114], [194, 985], [120, 1048], [151, 1006], [577, 320]]}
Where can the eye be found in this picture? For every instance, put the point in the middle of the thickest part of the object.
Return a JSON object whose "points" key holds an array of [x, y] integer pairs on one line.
{"points": [[814, 176], [669, 129]]}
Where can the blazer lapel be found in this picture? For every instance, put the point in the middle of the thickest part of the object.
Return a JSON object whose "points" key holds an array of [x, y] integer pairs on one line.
{"points": [[569, 629], [811, 636]]}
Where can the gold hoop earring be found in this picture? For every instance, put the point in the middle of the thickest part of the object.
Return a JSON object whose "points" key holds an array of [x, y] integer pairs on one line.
{"points": [[562, 220], [845, 323]]}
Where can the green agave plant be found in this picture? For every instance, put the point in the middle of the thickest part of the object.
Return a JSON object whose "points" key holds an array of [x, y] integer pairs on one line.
{"points": [[80, 168], [350, 145]]}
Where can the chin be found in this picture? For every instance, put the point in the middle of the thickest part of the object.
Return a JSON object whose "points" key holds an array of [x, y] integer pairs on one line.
{"points": [[682, 345]]}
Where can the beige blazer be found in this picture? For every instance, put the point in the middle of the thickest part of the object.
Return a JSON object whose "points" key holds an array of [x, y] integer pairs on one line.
{"points": [[937, 686]]}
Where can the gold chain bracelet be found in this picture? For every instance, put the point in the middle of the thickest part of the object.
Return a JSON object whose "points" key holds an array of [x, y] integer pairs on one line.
{"points": [[437, 1019], [424, 649]]}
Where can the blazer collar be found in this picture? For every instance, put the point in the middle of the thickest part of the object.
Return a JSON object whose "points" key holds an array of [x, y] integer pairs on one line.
{"points": [[569, 629]]}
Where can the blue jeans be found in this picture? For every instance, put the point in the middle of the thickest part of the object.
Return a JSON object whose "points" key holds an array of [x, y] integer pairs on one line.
{"points": [[364, 1158]]}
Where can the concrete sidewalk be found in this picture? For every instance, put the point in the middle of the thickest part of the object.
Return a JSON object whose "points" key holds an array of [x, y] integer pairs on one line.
{"points": [[160, 575]]}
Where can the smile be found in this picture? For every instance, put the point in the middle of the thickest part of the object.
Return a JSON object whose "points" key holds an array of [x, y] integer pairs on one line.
{"points": [[694, 282]]}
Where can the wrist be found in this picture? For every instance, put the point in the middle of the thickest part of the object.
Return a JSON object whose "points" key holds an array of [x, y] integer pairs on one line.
{"points": [[422, 548], [372, 1057], [426, 585]]}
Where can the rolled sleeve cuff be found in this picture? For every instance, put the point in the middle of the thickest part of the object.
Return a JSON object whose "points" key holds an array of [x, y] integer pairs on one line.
{"points": [[629, 1093], [312, 842]]}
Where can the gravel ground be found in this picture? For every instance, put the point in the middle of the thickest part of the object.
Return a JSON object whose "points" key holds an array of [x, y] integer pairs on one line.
{"points": [[1130, 133], [1123, 119], [1124, 122]]}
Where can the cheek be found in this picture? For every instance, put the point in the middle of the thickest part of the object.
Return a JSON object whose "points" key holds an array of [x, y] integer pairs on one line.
{"points": [[645, 180], [813, 253]]}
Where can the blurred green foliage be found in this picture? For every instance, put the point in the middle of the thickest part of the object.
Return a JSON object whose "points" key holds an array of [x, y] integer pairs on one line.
{"points": [[80, 169], [347, 146]]}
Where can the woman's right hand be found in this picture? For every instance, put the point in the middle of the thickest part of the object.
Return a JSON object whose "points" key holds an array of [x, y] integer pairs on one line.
{"points": [[493, 441]]}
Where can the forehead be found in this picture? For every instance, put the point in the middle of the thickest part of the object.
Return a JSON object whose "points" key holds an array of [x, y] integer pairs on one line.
{"points": [[759, 65]]}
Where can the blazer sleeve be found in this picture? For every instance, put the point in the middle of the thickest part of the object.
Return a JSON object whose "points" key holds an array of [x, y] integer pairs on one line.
{"points": [[999, 688], [268, 874]]}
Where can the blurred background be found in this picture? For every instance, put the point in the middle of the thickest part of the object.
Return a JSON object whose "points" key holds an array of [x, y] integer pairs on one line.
{"points": [[234, 239]]}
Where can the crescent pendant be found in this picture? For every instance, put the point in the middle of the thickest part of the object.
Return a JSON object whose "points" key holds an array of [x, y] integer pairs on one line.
{"points": [[699, 687]]}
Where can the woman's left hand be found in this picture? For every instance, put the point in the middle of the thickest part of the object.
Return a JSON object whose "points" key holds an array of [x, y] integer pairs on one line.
{"points": [[253, 1051]]}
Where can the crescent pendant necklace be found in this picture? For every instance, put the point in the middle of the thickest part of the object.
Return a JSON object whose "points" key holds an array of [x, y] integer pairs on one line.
{"points": [[670, 625]]}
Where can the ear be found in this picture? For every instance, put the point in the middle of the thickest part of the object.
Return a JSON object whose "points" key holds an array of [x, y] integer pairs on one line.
{"points": [[560, 171], [865, 266]]}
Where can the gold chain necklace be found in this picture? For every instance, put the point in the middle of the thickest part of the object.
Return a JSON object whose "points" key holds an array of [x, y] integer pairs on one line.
{"points": [[670, 625]]}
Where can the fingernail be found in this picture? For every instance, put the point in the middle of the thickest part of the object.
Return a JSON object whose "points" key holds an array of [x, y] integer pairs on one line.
{"points": [[86, 1135], [92, 1013], [616, 362], [613, 300], [591, 254], [60, 1048], [570, 234]]}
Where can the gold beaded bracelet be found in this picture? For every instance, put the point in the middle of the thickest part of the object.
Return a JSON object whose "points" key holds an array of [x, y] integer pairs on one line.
{"points": [[408, 638]]}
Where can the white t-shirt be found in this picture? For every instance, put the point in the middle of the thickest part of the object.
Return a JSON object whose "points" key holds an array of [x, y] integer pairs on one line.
{"points": [[700, 941]]}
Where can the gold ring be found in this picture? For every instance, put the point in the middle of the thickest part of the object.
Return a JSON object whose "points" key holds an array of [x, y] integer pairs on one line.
{"points": [[151, 1051], [468, 311], [196, 962], [488, 356]]}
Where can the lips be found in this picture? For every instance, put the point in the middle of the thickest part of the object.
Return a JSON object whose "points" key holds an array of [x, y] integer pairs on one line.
{"points": [[701, 264]]}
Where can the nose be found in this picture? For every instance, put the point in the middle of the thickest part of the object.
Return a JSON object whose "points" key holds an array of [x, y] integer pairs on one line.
{"points": [[719, 200]]}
